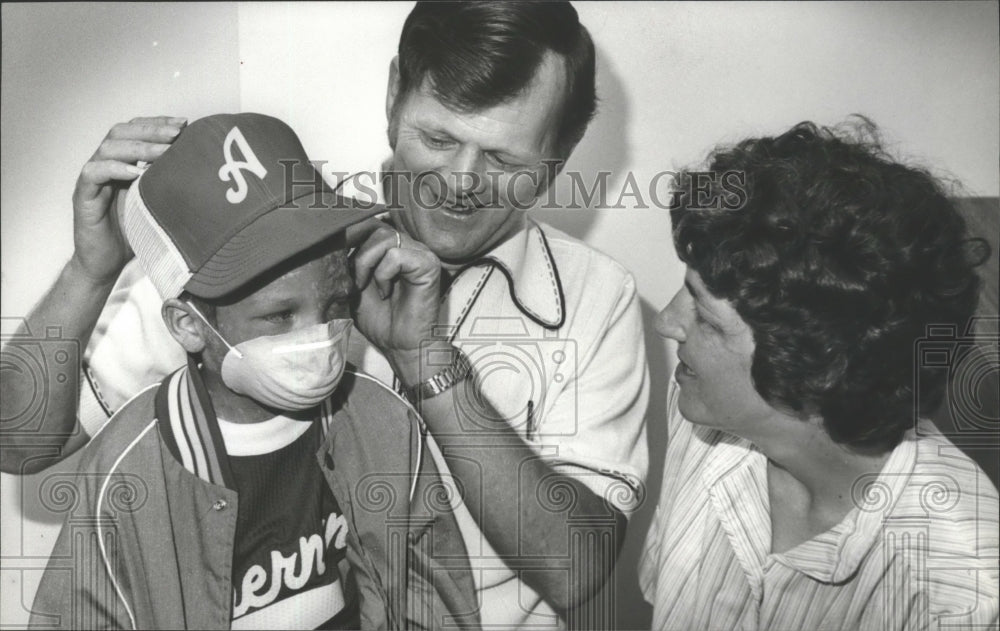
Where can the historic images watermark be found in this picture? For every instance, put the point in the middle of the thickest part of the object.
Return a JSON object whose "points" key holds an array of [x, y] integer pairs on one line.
{"points": [[523, 189]]}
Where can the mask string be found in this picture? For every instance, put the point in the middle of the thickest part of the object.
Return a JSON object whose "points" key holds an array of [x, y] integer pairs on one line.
{"points": [[209, 325]]}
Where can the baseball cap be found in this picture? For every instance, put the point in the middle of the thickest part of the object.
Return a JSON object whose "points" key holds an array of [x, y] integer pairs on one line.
{"points": [[233, 196]]}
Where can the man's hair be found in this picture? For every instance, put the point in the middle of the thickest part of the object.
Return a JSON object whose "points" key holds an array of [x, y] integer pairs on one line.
{"points": [[838, 261], [476, 55]]}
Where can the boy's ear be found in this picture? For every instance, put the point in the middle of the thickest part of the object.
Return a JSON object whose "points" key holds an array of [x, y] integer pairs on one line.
{"points": [[184, 325], [392, 90]]}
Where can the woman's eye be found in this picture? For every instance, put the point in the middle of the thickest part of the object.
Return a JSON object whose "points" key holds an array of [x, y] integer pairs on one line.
{"points": [[702, 321]]}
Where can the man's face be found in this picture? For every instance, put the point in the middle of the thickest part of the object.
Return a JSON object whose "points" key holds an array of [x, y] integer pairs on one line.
{"points": [[482, 165], [312, 293], [715, 351]]}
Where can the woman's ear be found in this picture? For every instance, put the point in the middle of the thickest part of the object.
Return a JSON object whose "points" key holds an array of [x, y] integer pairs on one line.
{"points": [[392, 90], [184, 325]]}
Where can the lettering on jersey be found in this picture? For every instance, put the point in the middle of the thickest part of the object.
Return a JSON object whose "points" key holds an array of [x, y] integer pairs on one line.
{"points": [[233, 169], [260, 586]]}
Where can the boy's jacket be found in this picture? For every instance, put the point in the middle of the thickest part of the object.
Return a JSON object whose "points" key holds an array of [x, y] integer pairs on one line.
{"points": [[148, 542]]}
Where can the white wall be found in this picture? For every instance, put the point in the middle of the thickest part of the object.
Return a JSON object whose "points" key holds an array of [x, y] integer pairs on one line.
{"points": [[70, 71], [674, 80]]}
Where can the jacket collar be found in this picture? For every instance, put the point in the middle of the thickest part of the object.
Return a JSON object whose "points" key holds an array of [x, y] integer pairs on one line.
{"points": [[190, 429]]}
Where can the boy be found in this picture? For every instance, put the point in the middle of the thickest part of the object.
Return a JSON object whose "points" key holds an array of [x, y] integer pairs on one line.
{"points": [[234, 494]]}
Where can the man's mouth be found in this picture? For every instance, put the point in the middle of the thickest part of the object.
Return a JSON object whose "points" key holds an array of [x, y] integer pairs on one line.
{"points": [[461, 208], [464, 208]]}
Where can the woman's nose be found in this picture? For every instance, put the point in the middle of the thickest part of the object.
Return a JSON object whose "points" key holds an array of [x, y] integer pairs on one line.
{"points": [[670, 322]]}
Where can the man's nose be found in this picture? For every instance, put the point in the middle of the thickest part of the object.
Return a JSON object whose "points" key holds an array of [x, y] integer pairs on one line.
{"points": [[467, 176], [671, 321]]}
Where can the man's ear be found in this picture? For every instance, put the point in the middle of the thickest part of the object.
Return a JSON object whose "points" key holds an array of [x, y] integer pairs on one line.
{"points": [[184, 325], [392, 90]]}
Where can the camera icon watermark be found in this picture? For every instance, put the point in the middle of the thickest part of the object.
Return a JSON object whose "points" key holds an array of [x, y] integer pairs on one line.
{"points": [[515, 374], [30, 367], [968, 363]]}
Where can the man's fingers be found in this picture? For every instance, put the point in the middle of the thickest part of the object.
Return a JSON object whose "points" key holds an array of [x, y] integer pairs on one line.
{"points": [[372, 251], [147, 133], [155, 129], [96, 174], [413, 266], [392, 266], [130, 150], [359, 232], [161, 120]]}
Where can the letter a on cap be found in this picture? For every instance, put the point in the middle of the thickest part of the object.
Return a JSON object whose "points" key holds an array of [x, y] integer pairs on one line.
{"points": [[232, 169]]}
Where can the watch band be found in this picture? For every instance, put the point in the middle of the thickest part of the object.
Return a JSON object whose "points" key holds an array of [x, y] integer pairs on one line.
{"points": [[455, 372]]}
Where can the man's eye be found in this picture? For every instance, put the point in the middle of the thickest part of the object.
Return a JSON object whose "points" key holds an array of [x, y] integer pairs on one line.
{"points": [[436, 142], [506, 165], [499, 161]]}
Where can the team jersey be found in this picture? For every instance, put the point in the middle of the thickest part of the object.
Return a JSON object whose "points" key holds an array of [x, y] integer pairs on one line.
{"points": [[289, 566]]}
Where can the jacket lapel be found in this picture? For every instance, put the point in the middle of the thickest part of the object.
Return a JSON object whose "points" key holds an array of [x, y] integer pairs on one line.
{"points": [[413, 555], [190, 428], [202, 503]]}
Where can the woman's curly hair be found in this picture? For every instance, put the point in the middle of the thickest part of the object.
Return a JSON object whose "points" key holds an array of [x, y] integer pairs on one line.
{"points": [[838, 260]]}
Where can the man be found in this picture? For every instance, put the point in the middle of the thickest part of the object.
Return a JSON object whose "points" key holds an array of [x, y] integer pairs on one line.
{"points": [[549, 391]]}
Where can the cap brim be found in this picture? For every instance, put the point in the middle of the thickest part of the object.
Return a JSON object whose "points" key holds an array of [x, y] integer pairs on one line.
{"points": [[276, 237]]}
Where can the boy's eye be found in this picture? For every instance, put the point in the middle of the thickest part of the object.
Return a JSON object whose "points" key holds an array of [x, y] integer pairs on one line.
{"points": [[279, 316]]}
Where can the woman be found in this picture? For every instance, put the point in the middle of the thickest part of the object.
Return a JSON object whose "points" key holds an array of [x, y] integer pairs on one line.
{"points": [[799, 491]]}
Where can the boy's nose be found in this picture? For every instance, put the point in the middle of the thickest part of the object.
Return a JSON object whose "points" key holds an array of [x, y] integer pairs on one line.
{"points": [[312, 317]]}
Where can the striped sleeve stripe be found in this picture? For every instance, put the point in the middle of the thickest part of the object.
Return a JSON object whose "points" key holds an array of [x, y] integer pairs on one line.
{"points": [[176, 424], [191, 432]]}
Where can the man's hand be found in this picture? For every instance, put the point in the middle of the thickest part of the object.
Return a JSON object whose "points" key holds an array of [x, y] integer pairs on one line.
{"points": [[100, 250], [400, 281]]}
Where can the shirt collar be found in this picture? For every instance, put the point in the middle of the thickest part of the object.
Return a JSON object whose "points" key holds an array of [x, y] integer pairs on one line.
{"points": [[835, 555], [525, 259]]}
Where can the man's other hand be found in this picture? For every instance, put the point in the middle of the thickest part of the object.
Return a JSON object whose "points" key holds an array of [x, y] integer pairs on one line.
{"points": [[100, 250]]}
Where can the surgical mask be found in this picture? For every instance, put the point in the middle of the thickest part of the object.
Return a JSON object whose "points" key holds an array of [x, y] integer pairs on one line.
{"points": [[292, 371]]}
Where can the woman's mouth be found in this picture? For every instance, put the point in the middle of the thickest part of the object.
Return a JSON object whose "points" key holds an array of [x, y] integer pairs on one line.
{"points": [[684, 371]]}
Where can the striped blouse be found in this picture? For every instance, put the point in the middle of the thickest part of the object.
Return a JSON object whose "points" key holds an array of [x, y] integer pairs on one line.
{"points": [[920, 550]]}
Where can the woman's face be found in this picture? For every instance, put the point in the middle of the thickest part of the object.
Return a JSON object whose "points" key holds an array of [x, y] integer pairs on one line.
{"points": [[715, 351]]}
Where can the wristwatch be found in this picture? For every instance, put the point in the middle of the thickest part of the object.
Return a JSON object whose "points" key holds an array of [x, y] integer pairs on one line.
{"points": [[456, 371]]}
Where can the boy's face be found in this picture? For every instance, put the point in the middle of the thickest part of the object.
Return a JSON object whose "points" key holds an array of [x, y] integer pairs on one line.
{"points": [[315, 292]]}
